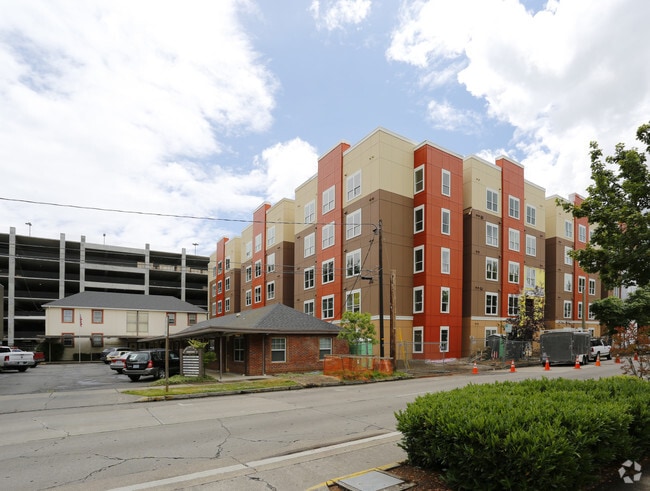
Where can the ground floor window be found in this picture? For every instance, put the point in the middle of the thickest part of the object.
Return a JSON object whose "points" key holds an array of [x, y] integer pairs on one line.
{"points": [[67, 339], [238, 348], [278, 349], [444, 339], [324, 347], [97, 340], [418, 340]]}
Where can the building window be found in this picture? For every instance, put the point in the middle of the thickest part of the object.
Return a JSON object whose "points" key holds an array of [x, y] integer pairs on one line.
{"points": [[446, 183], [249, 249], [581, 284], [214, 308], [219, 307], [278, 350], [219, 267], [96, 340], [327, 307], [445, 222], [270, 236], [492, 234], [249, 298], [582, 233], [513, 305], [444, 339], [328, 200], [238, 348], [97, 316], [353, 263], [492, 202], [328, 271], [353, 224], [418, 340], [418, 299], [270, 290], [308, 307], [213, 288], [579, 310], [258, 294], [227, 264], [418, 179], [258, 242], [137, 322], [228, 304], [418, 259], [227, 280], [258, 268], [171, 318], [531, 278], [591, 313], [324, 347], [513, 272], [270, 263], [568, 309], [568, 282], [310, 212], [249, 273], [191, 318], [592, 287], [219, 286], [513, 242], [353, 301], [418, 219], [444, 300], [445, 260], [309, 278], [310, 244], [491, 303], [568, 229], [67, 339], [67, 316], [568, 260], [214, 271], [353, 183], [491, 269], [328, 235], [513, 207], [531, 215], [531, 245]]}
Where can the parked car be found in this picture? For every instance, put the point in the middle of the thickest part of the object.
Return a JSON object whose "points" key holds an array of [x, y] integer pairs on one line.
{"points": [[115, 354], [117, 362], [110, 349], [150, 363], [598, 346]]}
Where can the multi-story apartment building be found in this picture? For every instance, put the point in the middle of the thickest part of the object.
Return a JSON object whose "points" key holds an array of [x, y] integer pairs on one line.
{"points": [[569, 290], [225, 279], [504, 241], [36, 270]]}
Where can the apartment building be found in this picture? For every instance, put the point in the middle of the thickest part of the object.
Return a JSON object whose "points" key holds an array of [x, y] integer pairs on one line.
{"points": [[35, 271], [225, 278], [569, 290], [504, 246]]}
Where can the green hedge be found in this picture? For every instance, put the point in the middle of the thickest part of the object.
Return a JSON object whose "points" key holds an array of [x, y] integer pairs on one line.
{"points": [[536, 434]]}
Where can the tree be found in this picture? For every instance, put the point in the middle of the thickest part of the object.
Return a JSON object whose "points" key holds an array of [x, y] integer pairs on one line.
{"points": [[618, 204], [357, 328], [530, 316], [611, 312]]}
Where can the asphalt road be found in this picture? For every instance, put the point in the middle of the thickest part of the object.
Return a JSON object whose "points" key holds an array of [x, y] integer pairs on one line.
{"points": [[94, 437]]}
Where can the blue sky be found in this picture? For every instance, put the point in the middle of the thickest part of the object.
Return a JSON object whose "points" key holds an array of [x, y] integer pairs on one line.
{"points": [[209, 108]]}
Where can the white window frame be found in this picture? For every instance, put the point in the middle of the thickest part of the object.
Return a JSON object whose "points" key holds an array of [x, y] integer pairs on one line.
{"points": [[568, 282], [579, 310], [353, 224], [308, 307], [328, 237], [249, 249], [248, 298], [592, 286], [582, 282], [492, 200], [568, 260], [219, 307], [444, 339], [258, 242], [531, 277], [418, 340], [582, 233], [445, 260], [258, 268], [270, 263], [418, 299], [492, 238], [567, 311], [418, 224], [329, 199], [310, 245], [531, 245], [568, 229], [514, 207], [309, 278], [531, 215], [227, 302], [353, 185], [353, 301], [514, 272], [514, 242], [445, 294], [491, 303], [445, 221], [227, 283], [491, 269], [418, 182], [249, 273], [445, 182], [353, 263], [270, 236], [327, 307], [258, 294], [219, 286], [310, 212], [418, 259], [327, 271], [270, 290], [513, 305], [278, 350]]}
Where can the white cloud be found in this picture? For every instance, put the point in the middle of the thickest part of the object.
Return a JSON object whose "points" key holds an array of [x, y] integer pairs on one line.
{"points": [[444, 115], [571, 73], [107, 105], [338, 14]]}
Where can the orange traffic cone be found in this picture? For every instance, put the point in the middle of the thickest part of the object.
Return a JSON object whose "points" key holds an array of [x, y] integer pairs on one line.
{"points": [[636, 356], [512, 366], [597, 359], [577, 365], [547, 366], [475, 369], [618, 359]]}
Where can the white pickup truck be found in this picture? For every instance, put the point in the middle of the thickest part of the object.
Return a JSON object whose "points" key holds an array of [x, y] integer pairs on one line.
{"points": [[599, 347], [15, 359]]}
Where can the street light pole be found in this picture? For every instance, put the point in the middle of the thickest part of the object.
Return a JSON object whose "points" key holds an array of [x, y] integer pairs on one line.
{"points": [[29, 224], [195, 244], [167, 354]]}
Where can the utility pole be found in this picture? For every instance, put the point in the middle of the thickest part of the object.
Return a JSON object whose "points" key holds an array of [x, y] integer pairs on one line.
{"points": [[381, 294], [393, 339]]}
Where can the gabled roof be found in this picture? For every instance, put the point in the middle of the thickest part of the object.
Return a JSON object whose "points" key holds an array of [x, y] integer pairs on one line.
{"points": [[272, 319], [125, 301]]}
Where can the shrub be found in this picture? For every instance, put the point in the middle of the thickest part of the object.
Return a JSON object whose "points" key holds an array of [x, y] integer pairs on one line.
{"points": [[536, 434]]}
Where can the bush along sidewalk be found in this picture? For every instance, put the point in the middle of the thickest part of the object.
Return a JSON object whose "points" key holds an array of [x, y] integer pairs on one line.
{"points": [[530, 435]]}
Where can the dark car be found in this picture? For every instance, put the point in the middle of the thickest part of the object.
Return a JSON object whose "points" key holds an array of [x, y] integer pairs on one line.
{"points": [[150, 363]]}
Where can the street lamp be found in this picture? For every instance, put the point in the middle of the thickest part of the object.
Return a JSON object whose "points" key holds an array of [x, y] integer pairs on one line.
{"points": [[195, 244], [29, 224]]}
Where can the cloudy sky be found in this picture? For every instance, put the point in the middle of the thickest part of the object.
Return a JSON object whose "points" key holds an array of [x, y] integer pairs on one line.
{"points": [[189, 115]]}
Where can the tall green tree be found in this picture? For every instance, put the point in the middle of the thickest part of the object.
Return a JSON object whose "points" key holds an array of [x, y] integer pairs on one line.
{"points": [[618, 203]]}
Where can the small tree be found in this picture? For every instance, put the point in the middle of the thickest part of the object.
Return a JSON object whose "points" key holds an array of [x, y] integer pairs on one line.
{"points": [[530, 317], [357, 328]]}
